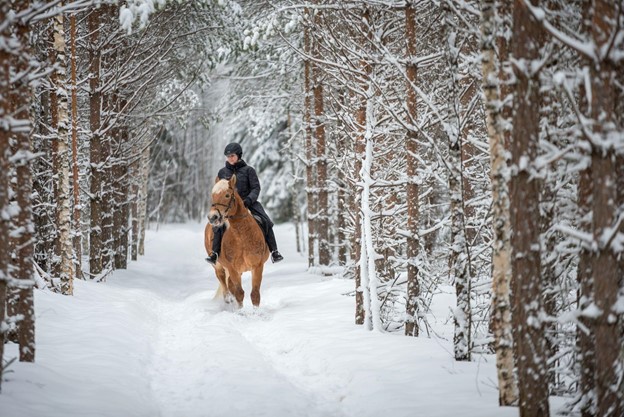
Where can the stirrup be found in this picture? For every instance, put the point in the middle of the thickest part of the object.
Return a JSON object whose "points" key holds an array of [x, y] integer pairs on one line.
{"points": [[212, 259]]}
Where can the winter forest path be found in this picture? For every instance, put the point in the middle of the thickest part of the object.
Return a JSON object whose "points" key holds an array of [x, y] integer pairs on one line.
{"points": [[209, 360], [152, 342], [299, 354]]}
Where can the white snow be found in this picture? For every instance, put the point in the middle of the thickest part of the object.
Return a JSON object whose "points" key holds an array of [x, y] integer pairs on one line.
{"points": [[151, 342]]}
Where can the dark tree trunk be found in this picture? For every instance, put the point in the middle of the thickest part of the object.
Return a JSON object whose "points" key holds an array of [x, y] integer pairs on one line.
{"points": [[20, 97], [311, 186], [320, 162], [5, 134], [608, 351], [525, 242], [96, 158], [413, 215]]}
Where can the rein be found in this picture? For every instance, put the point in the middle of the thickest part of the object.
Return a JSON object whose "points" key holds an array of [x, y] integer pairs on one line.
{"points": [[228, 207]]}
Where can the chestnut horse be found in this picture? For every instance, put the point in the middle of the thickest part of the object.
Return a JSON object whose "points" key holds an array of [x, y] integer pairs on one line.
{"points": [[243, 247]]}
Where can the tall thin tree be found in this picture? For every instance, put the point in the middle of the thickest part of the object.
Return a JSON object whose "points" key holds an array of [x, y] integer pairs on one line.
{"points": [[501, 261], [411, 144], [525, 240]]}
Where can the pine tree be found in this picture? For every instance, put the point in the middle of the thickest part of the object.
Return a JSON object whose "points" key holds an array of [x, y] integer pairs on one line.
{"points": [[524, 205]]}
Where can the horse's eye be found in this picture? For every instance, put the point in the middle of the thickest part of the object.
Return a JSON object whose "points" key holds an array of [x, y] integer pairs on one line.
{"points": [[227, 196]]}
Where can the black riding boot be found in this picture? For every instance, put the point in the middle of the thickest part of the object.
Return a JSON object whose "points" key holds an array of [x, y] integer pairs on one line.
{"points": [[217, 236], [272, 244]]}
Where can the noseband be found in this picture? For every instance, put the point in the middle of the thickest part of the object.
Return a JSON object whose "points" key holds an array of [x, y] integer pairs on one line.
{"points": [[228, 206]]}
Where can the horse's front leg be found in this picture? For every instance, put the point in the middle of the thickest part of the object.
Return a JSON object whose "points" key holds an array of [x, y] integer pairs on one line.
{"points": [[256, 281], [236, 287]]}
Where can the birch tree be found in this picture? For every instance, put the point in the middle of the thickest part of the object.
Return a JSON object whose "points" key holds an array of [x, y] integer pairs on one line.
{"points": [[64, 245], [501, 262]]}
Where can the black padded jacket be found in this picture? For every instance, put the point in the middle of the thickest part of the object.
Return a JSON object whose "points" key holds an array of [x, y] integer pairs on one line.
{"points": [[247, 183]]}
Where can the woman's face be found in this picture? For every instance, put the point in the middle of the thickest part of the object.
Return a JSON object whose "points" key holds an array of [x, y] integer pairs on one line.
{"points": [[232, 158]]}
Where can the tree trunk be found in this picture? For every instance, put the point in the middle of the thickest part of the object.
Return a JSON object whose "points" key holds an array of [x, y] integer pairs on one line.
{"points": [[501, 259], [608, 351], [320, 162], [525, 241], [5, 134], [501, 263], [311, 188], [134, 207], [96, 158], [63, 196], [145, 161], [458, 258], [74, 137], [369, 276], [359, 97], [413, 215], [584, 333], [20, 97]]}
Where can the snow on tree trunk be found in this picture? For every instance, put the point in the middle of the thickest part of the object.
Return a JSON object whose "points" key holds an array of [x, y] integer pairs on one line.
{"points": [[368, 255], [458, 258], [320, 162], [24, 270], [309, 147], [412, 191], [5, 217], [77, 229], [96, 159], [360, 96], [525, 240], [135, 174], [501, 264], [143, 177], [606, 20], [63, 249]]}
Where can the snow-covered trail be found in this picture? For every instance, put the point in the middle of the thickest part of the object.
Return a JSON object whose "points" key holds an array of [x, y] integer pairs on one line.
{"points": [[211, 360], [152, 342]]}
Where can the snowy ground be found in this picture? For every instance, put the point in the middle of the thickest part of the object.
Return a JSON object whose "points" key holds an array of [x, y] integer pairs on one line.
{"points": [[152, 342]]}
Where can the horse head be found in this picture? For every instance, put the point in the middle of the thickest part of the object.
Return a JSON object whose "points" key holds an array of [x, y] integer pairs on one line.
{"points": [[223, 201]]}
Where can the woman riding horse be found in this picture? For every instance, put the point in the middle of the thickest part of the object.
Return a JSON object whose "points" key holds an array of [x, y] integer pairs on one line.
{"points": [[248, 187]]}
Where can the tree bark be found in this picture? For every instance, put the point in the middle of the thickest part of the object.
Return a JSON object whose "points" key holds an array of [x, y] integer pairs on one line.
{"points": [[311, 187], [96, 158], [20, 97], [501, 260], [5, 59], [63, 204], [608, 351], [412, 192], [74, 140], [525, 241], [320, 161], [458, 258]]}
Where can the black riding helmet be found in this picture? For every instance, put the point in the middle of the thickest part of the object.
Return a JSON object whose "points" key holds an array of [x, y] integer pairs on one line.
{"points": [[233, 148]]}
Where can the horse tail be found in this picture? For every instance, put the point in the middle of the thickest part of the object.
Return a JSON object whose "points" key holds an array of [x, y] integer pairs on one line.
{"points": [[220, 292]]}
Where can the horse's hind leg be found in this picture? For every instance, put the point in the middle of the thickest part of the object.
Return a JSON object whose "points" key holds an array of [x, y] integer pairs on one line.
{"points": [[256, 281]]}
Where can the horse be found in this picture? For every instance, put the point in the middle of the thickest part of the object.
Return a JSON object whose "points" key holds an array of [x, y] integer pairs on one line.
{"points": [[243, 247]]}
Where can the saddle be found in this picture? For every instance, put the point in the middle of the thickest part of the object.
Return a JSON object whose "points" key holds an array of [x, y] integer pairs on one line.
{"points": [[264, 226]]}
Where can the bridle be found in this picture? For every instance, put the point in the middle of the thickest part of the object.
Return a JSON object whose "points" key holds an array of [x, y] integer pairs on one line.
{"points": [[228, 206]]}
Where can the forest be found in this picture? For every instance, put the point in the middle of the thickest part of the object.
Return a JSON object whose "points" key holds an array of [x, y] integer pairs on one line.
{"points": [[412, 143]]}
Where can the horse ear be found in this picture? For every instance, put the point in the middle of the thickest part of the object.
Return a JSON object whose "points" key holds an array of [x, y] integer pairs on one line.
{"points": [[233, 181], [217, 179]]}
